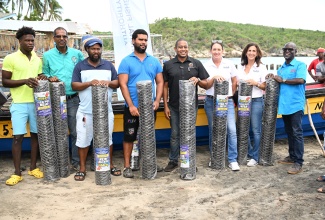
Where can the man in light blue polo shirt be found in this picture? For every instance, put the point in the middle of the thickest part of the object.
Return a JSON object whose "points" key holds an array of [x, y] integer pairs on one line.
{"points": [[292, 79], [58, 65]]}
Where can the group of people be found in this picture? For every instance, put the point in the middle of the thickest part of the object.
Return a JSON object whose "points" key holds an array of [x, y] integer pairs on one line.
{"points": [[22, 69]]}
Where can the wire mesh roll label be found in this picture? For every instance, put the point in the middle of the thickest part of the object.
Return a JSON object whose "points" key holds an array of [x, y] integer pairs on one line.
{"points": [[63, 107], [135, 150], [102, 159], [244, 103], [185, 156], [43, 103], [221, 105]]}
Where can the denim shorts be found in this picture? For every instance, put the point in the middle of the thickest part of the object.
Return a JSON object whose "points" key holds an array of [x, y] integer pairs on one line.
{"points": [[21, 113]]}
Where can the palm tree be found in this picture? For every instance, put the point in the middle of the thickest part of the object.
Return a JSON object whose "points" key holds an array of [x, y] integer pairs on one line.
{"points": [[35, 6], [54, 11]]}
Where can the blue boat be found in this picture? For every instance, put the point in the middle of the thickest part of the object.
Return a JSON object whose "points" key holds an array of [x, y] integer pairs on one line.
{"points": [[315, 94]]}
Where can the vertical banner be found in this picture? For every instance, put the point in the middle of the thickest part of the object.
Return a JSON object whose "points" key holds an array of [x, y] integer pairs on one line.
{"points": [[127, 16]]}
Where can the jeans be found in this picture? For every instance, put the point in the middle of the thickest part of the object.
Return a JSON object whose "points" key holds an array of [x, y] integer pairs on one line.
{"points": [[231, 127], [72, 107], [256, 127], [293, 128], [175, 135]]}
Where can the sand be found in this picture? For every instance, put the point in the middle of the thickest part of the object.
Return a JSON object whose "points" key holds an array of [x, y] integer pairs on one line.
{"points": [[261, 192]]}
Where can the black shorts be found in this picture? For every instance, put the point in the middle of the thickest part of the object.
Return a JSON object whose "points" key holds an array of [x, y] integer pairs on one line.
{"points": [[131, 125]]}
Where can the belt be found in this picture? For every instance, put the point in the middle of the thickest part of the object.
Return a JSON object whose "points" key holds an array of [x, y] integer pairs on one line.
{"points": [[211, 97], [72, 96]]}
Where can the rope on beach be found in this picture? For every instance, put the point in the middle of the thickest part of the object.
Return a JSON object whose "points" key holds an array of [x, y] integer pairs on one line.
{"points": [[219, 129], [187, 120], [60, 121], [101, 135], [269, 122], [243, 120], [147, 130], [46, 139]]}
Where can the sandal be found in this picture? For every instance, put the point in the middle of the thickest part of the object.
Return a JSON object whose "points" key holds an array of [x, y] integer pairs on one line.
{"points": [[321, 178], [321, 190], [36, 173], [80, 176], [13, 180], [115, 171]]}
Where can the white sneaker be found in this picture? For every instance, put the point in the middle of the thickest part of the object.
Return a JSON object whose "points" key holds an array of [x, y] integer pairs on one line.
{"points": [[209, 163], [252, 163], [234, 166]]}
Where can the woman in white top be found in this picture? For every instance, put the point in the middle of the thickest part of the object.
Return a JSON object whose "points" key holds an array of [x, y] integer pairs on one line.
{"points": [[253, 71], [222, 69]]}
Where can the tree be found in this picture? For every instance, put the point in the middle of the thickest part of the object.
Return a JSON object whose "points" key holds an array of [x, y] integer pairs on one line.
{"points": [[54, 11]]}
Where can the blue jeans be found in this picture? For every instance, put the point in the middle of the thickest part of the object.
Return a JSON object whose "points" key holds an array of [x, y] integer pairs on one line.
{"points": [[72, 107], [293, 128], [256, 127], [175, 136], [231, 127]]}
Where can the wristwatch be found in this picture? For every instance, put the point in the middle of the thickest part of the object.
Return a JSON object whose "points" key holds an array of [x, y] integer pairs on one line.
{"points": [[199, 80], [258, 85], [284, 80]]}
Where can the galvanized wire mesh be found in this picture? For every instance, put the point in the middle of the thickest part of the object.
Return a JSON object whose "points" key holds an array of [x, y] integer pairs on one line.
{"points": [[147, 130], [46, 139], [100, 135], [60, 121], [243, 120], [269, 122], [219, 129], [135, 155], [187, 114]]}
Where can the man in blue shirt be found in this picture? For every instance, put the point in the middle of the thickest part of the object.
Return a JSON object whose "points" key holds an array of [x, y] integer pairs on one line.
{"points": [[58, 65], [292, 79], [137, 66]]}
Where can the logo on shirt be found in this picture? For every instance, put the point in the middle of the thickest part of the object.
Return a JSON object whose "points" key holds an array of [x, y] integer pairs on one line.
{"points": [[131, 131], [74, 60]]}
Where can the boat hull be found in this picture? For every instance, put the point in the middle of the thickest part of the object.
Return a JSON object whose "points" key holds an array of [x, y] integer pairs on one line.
{"points": [[163, 128]]}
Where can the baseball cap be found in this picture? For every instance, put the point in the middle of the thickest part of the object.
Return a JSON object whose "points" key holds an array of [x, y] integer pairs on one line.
{"points": [[89, 40], [320, 50]]}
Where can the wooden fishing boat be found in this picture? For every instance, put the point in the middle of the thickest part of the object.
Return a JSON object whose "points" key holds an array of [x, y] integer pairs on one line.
{"points": [[315, 94]]}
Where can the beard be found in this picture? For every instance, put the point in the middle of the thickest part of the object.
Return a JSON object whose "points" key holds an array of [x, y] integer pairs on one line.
{"points": [[95, 59], [139, 49]]}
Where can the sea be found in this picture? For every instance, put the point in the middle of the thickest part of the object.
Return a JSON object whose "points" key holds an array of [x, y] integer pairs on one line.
{"points": [[272, 63]]}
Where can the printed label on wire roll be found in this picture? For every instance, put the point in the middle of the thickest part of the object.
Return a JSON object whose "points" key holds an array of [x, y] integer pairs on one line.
{"points": [[244, 103], [102, 159], [221, 105], [43, 103], [63, 107], [185, 156]]}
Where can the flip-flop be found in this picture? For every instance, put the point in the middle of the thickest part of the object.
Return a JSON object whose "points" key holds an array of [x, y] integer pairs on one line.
{"points": [[321, 190], [80, 176], [116, 172], [321, 178]]}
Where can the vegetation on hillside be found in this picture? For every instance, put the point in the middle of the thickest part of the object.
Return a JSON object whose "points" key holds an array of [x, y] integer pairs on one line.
{"points": [[235, 36]]}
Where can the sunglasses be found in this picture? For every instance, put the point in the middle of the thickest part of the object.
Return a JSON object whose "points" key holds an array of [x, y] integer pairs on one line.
{"points": [[61, 36], [216, 41], [287, 49]]}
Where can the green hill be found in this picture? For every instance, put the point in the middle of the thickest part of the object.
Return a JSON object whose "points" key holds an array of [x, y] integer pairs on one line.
{"points": [[235, 36]]}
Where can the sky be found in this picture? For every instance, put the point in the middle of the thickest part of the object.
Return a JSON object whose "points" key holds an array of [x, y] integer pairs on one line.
{"points": [[276, 13]]}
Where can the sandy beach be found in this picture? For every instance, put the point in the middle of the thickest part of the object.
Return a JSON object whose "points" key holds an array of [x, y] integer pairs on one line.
{"points": [[261, 192]]}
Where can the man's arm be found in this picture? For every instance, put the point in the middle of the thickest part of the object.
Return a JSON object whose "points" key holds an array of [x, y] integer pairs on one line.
{"points": [[165, 99], [123, 81], [8, 82], [159, 90]]}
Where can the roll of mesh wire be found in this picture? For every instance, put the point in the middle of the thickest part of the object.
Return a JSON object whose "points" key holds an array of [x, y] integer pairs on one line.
{"points": [[100, 135], [219, 129], [147, 130], [269, 122], [60, 121], [243, 120], [46, 139], [187, 119]]}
